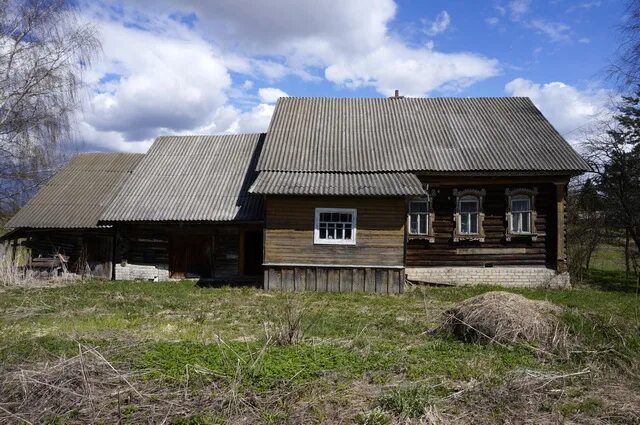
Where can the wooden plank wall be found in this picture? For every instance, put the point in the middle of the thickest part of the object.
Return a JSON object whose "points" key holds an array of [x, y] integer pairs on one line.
{"points": [[495, 250], [328, 279], [150, 243], [93, 246], [379, 237]]}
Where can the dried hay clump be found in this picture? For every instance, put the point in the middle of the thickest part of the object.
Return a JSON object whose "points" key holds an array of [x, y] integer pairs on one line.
{"points": [[506, 318]]}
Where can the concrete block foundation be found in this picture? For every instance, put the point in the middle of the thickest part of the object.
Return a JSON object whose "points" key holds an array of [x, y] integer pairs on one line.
{"points": [[514, 277]]}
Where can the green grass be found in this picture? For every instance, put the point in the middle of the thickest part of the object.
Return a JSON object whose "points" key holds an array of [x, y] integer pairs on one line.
{"points": [[179, 335]]}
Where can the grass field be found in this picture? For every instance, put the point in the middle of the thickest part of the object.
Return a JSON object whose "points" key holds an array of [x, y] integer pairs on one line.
{"points": [[180, 353]]}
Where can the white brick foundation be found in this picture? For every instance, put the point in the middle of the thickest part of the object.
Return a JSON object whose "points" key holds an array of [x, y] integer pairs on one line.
{"points": [[154, 272], [505, 276]]}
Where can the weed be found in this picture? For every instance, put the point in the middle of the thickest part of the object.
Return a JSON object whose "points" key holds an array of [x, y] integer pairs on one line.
{"points": [[373, 417], [588, 406], [413, 400]]}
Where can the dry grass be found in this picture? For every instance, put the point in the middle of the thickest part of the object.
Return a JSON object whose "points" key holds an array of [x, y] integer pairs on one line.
{"points": [[506, 318], [288, 322], [14, 275], [534, 397], [10, 273]]}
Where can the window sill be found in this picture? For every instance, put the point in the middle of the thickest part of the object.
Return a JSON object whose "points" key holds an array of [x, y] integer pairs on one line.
{"points": [[532, 236], [340, 243], [477, 238], [428, 238]]}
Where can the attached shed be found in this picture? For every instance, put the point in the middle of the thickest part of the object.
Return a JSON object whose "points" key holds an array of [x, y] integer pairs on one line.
{"points": [[186, 211], [62, 218]]}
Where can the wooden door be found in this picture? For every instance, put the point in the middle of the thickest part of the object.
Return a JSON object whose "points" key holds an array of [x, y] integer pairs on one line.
{"points": [[191, 256]]}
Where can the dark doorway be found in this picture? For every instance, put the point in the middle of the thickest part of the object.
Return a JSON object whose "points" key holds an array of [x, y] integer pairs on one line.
{"points": [[98, 250], [252, 252], [191, 256]]}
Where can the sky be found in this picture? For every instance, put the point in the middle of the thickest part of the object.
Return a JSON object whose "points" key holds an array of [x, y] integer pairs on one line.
{"points": [[216, 67]]}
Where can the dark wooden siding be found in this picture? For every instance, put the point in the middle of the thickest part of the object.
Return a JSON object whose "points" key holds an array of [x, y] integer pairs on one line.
{"points": [[495, 250], [150, 243], [92, 248], [379, 238]]}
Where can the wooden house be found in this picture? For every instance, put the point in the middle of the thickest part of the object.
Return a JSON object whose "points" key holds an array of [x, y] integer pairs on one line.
{"points": [[360, 192], [346, 194]]}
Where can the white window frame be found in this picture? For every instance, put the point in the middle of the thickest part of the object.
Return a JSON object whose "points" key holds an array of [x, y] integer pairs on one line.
{"points": [[521, 193], [513, 213], [476, 200], [427, 217], [477, 195], [316, 231]]}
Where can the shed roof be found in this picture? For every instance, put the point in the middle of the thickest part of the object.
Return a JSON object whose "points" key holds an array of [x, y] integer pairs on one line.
{"points": [[367, 184], [192, 178], [76, 196], [369, 135]]}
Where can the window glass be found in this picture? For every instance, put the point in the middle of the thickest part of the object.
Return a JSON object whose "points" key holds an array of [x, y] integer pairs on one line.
{"points": [[336, 226], [520, 215], [520, 205], [418, 217], [469, 216], [467, 206]]}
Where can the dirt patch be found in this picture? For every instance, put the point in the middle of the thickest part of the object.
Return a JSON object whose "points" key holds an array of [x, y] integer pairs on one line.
{"points": [[505, 318]]}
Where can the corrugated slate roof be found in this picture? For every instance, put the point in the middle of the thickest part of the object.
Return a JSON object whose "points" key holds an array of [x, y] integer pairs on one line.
{"points": [[192, 178], [380, 184], [414, 134], [76, 196]]}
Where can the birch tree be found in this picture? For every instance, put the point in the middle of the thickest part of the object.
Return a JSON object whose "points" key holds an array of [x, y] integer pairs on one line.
{"points": [[44, 49]]}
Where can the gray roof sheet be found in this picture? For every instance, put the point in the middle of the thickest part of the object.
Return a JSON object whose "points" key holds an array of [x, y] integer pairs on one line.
{"points": [[369, 184], [413, 134], [192, 178], [76, 196]]}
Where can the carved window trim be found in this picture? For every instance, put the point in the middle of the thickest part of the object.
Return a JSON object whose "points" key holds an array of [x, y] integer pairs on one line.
{"points": [[460, 195], [511, 194], [430, 235]]}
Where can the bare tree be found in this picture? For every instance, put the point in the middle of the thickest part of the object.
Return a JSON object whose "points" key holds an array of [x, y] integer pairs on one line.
{"points": [[625, 69], [586, 226], [44, 49], [614, 156]]}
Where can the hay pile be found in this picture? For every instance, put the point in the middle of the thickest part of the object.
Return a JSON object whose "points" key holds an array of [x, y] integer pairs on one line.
{"points": [[506, 318]]}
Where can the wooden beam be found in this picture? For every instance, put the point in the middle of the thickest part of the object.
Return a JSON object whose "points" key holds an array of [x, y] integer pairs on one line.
{"points": [[561, 256], [241, 253]]}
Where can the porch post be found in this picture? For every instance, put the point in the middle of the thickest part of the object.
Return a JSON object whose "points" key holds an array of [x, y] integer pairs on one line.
{"points": [[561, 240]]}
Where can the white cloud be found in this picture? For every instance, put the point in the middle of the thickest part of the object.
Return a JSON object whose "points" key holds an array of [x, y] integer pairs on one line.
{"points": [[160, 76], [584, 40], [315, 39], [270, 94], [440, 24], [155, 83], [492, 21], [415, 72], [518, 8], [585, 5], [254, 121], [570, 110], [556, 31]]}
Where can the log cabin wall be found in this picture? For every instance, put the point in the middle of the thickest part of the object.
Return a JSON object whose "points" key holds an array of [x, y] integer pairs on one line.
{"points": [[495, 250]]}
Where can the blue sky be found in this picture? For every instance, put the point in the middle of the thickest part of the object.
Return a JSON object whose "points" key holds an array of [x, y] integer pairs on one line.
{"points": [[193, 67]]}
